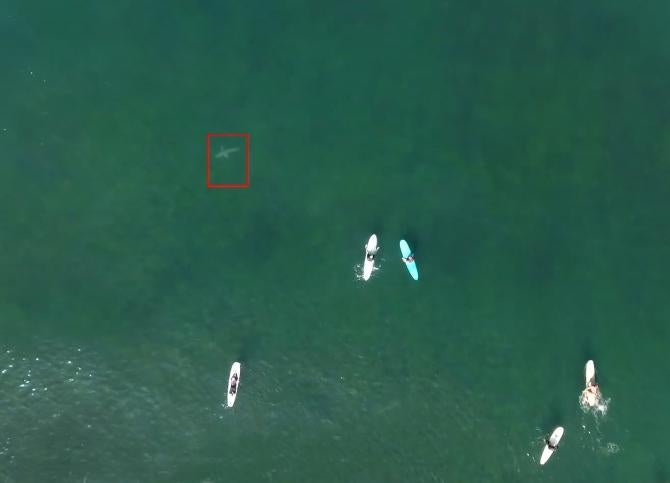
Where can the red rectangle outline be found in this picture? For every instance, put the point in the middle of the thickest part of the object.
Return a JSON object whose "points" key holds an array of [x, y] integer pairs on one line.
{"points": [[209, 162]]}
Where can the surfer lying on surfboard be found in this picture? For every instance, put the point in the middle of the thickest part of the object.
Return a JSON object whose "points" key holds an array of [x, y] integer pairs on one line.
{"points": [[591, 394], [233, 384]]}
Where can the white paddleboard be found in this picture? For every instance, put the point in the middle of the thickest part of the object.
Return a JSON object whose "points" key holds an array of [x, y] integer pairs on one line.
{"points": [[554, 439], [232, 390], [370, 251], [589, 374]]}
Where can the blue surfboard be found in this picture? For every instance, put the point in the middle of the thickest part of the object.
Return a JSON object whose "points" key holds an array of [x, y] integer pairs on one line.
{"points": [[411, 266]]}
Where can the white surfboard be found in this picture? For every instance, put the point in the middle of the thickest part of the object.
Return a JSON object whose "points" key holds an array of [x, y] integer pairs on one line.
{"points": [[370, 251], [232, 390], [589, 373], [554, 439]]}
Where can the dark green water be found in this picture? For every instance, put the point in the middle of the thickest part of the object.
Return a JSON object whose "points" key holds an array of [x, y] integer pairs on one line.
{"points": [[523, 148]]}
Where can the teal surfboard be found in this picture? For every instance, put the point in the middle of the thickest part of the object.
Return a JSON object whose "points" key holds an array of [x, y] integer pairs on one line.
{"points": [[411, 266]]}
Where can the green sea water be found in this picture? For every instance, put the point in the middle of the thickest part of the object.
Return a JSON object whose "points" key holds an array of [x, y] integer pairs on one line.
{"points": [[521, 147]]}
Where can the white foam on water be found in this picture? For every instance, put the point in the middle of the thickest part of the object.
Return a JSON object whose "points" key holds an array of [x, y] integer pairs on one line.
{"points": [[358, 271], [599, 410], [594, 417], [611, 449], [378, 265], [358, 268]]}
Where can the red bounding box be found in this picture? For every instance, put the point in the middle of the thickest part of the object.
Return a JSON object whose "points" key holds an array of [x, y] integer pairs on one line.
{"points": [[227, 160]]}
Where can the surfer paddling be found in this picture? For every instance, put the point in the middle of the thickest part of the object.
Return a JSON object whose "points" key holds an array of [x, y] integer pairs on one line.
{"points": [[233, 384], [371, 249], [370, 254], [591, 394], [408, 258], [551, 444]]}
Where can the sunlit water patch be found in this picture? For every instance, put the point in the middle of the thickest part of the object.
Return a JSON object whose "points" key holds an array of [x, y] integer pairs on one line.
{"points": [[67, 408]]}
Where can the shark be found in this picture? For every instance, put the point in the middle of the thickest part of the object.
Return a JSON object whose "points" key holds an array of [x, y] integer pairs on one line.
{"points": [[223, 153]]}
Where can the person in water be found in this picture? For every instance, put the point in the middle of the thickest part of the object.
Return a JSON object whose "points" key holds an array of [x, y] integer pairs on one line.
{"points": [[591, 395], [233, 384]]}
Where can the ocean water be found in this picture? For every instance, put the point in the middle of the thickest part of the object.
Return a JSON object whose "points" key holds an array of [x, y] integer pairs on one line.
{"points": [[522, 148]]}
